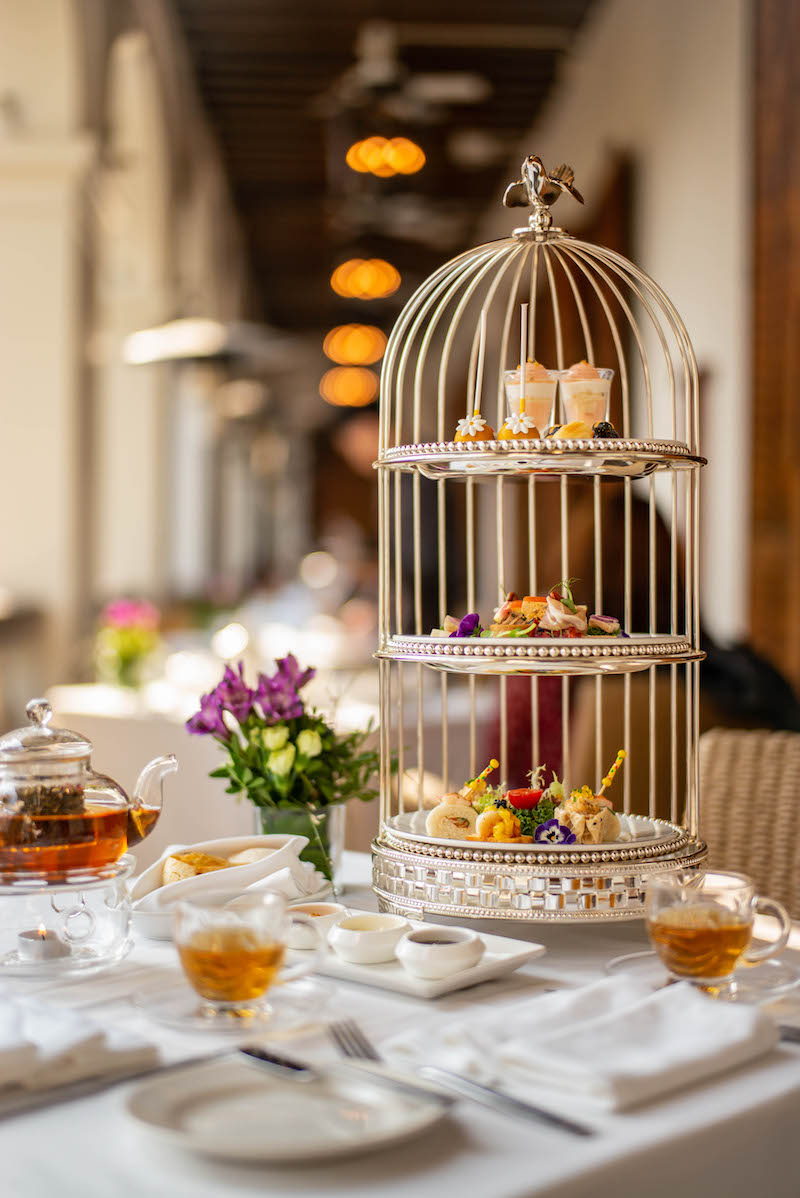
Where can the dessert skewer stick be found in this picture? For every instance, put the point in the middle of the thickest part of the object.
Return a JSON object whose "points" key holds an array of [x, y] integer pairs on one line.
{"points": [[609, 778], [475, 783], [523, 358], [479, 372]]}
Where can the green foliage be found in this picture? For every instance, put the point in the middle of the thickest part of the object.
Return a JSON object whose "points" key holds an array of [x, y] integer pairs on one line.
{"points": [[287, 777]]}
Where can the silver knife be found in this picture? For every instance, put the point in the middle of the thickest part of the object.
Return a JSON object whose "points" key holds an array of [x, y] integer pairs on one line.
{"points": [[498, 1101]]}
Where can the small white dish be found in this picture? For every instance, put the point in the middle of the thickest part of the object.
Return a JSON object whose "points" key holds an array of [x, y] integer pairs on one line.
{"points": [[434, 953], [503, 955], [324, 915], [239, 1112], [367, 939]]}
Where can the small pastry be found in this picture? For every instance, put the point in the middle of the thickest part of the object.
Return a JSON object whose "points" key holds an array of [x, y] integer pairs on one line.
{"points": [[249, 856], [451, 821], [552, 430], [179, 866], [573, 431], [473, 428], [519, 428]]}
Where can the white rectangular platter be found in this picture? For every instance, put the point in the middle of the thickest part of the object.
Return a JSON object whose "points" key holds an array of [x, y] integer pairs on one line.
{"points": [[502, 955]]}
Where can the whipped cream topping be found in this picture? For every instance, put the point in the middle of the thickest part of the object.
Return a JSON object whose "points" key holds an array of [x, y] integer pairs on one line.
{"points": [[536, 373], [581, 371]]}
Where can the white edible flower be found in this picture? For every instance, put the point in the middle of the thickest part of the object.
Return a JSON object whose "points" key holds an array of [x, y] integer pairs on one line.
{"points": [[309, 743], [281, 761], [232, 724], [521, 424], [468, 426], [275, 738]]}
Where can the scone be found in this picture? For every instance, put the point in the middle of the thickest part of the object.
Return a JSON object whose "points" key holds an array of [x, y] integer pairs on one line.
{"points": [[249, 856], [189, 865]]}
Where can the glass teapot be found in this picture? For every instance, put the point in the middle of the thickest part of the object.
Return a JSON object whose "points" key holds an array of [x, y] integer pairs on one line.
{"points": [[56, 813]]}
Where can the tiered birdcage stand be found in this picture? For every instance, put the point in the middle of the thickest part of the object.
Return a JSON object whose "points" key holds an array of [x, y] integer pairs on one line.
{"points": [[438, 329]]}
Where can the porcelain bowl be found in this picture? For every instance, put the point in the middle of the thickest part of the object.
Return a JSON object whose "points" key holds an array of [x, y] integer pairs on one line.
{"points": [[434, 953], [324, 916], [367, 939]]}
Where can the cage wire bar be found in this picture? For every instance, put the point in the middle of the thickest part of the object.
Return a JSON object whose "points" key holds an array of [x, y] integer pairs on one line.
{"points": [[434, 361]]}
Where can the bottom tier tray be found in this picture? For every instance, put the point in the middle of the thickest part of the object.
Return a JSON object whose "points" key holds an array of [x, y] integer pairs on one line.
{"points": [[600, 883]]}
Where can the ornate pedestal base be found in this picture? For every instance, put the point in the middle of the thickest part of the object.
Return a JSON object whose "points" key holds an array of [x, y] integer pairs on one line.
{"points": [[409, 883]]}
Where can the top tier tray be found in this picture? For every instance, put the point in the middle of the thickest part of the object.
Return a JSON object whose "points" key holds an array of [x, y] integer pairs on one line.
{"points": [[617, 458]]}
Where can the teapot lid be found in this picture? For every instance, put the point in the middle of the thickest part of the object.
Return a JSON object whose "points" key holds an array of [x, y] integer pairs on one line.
{"points": [[39, 742]]}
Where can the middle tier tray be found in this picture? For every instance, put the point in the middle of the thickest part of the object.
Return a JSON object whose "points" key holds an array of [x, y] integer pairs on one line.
{"points": [[542, 655]]}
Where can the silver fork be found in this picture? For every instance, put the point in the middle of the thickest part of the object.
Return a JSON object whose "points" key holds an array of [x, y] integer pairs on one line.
{"points": [[351, 1042]]}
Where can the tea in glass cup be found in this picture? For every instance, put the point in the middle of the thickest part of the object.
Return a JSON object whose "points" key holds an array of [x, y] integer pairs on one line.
{"points": [[232, 949], [701, 924]]}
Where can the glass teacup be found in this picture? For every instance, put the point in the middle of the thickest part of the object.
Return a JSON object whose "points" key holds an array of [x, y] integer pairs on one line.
{"points": [[701, 924], [232, 949]]}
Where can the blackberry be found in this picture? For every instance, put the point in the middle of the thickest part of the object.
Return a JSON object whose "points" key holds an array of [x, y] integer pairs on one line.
{"points": [[604, 429]]}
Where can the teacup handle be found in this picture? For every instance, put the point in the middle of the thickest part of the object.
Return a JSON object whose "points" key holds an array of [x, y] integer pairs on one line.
{"points": [[311, 958], [767, 906]]}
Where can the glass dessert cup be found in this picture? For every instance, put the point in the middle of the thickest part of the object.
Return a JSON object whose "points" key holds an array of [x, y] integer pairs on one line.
{"points": [[232, 949], [57, 814], [586, 399], [539, 390], [701, 925]]}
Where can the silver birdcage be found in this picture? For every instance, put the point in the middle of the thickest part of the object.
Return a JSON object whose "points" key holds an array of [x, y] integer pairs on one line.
{"points": [[462, 521]]}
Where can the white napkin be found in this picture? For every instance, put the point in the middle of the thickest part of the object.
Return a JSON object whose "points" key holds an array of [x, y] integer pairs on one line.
{"points": [[282, 872], [43, 1046], [612, 1044]]}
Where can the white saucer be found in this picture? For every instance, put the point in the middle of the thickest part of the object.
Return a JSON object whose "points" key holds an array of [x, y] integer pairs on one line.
{"points": [[753, 984], [239, 1112], [289, 1007]]}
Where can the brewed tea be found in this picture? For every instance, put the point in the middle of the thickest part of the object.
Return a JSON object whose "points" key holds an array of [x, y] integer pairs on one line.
{"points": [[700, 940], [230, 964]]}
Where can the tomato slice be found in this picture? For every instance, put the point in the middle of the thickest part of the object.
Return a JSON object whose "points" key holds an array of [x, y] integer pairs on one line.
{"points": [[524, 799]]}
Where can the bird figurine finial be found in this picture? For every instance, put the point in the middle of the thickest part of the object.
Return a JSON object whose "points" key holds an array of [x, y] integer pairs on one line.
{"points": [[539, 190]]}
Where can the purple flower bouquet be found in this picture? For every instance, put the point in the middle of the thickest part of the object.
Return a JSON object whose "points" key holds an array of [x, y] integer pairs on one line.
{"points": [[283, 756]]}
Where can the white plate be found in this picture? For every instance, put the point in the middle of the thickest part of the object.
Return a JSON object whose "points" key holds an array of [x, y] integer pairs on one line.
{"points": [[502, 955], [240, 1112], [636, 830]]}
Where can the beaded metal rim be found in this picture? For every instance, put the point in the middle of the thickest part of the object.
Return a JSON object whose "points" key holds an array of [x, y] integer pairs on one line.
{"points": [[533, 855], [623, 457], [518, 654], [674, 853]]}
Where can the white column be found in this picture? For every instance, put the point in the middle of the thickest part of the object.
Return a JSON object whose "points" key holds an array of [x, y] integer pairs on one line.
{"points": [[40, 289]]}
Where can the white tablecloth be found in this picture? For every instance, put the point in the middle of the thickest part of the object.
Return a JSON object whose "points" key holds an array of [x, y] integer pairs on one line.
{"points": [[735, 1136]]}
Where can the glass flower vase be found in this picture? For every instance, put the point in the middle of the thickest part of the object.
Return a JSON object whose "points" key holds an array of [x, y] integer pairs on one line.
{"points": [[323, 827]]}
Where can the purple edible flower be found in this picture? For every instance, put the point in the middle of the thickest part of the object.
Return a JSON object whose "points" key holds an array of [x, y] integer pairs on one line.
{"points": [[469, 626], [552, 832], [278, 696]]}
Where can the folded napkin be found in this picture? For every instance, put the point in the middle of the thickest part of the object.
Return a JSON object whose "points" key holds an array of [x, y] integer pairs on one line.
{"points": [[43, 1046], [282, 872], [612, 1044]]}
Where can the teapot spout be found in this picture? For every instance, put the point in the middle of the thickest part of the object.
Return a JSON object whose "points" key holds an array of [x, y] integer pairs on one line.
{"points": [[149, 785]]}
